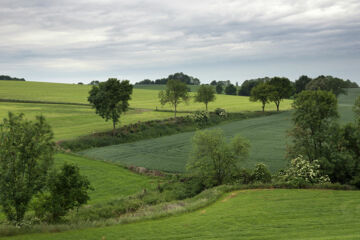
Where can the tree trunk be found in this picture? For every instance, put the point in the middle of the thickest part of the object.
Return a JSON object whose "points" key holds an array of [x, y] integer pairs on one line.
{"points": [[277, 105], [175, 110], [206, 106], [113, 131], [263, 107]]}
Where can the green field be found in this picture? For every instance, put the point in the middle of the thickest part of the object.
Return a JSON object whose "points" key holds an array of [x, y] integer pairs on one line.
{"points": [[251, 214], [193, 88], [267, 135], [70, 121], [108, 180], [141, 98]]}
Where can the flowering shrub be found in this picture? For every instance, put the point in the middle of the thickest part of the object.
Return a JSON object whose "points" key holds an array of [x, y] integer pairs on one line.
{"points": [[304, 171], [201, 118], [221, 112]]}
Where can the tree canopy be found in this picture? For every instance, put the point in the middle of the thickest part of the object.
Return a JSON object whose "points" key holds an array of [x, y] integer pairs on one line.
{"points": [[26, 155], [175, 93], [281, 89], [111, 99], [261, 93], [189, 80], [205, 94], [230, 89]]}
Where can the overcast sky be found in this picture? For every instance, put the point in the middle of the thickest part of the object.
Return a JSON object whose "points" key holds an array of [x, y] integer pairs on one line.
{"points": [[72, 41]]}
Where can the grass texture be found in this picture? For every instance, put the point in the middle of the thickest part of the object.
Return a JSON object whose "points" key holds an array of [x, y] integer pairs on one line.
{"points": [[247, 214]]}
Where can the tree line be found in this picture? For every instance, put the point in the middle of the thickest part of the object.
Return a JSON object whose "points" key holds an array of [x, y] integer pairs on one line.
{"points": [[8, 78], [189, 80]]}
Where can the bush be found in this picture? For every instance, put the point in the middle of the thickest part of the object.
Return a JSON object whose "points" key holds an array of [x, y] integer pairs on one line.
{"points": [[221, 112], [200, 118], [303, 171], [261, 174]]}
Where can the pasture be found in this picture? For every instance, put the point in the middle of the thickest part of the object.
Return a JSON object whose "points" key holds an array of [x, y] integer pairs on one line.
{"points": [[71, 121], [267, 136], [141, 98], [248, 214]]}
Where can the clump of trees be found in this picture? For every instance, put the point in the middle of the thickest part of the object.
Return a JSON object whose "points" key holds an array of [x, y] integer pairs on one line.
{"points": [[230, 90], [111, 99], [248, 85], [189, 80], [175, 93], [26, 158], [8, 78], [318, 137]]}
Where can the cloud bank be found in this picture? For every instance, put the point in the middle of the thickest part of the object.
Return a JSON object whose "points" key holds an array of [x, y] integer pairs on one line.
{"points": [[71, 41]]}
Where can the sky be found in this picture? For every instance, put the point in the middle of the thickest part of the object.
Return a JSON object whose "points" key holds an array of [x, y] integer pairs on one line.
{"points": [[80, 41]]}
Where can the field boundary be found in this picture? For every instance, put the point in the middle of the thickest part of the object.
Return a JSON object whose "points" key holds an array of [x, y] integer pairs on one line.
{"points": [[41, 102]]}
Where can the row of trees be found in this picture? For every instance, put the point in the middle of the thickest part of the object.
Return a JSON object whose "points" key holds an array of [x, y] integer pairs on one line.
{"points": [[27, 173], [189, 80], [328, 83], [8, 78]]}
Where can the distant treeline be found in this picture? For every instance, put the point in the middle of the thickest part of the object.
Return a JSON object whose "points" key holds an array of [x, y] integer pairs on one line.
{"points": [[176, 76], [321, 82], [8, 78]]}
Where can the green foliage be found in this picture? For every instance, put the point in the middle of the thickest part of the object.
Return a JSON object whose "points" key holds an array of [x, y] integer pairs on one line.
{"points": [[200, 118], [315, 114], [248, 85], [328, 83], [176, 76], [356, 110], [175, 93], [302, 171], [261, 93], [26, 154], [261, 174], [281, 90], [219, 88], [67, 190], [205, 94], [213, 160], [111, 98], [230, 89], [300, 84]]}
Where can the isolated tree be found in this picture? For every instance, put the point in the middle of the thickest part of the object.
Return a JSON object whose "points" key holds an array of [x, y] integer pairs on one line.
{"points": [[230, 89], [111, 99], [261, 93], [67, 190], [219, 88], [213, 160], [175, 93], [26, 154], [205, 94], [282, 89]]}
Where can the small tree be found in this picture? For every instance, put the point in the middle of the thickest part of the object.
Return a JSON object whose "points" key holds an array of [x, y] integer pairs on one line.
{"points": [[261, 92], [26, 154], [111, 99], [219, 88], [67, 190], [282, 89], [230, 89], [175, 93], [205, 94], [214, 160]]}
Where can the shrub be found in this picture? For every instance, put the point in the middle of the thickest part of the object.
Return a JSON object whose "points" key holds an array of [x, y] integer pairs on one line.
{"points": [[200, 118], [221, 112], [303, 171], [261, 174]]}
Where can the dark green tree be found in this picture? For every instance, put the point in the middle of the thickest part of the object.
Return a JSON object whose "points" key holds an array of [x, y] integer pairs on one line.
{"points": [[282, 89], [214, 160], [230, 89], [175, 93], [328, 83], [26, 154], [261, 93], [300, 84], [67, 190], [205, 94], [111, 99], [247, 85], [219, 88]]}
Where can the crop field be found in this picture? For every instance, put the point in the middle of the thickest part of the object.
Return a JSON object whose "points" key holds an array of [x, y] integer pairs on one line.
{"points": [[71, 121], [141, 98], [267, 136], [251, 214], [108, 180]]}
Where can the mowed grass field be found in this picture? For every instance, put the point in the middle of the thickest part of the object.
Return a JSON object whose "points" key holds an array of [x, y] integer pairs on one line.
{"points": [[267, 136], [141, 98], [108, 180], [71, 121], [251, 214]]}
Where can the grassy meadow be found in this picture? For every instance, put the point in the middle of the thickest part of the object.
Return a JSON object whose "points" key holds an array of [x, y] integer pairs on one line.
{"points": [[267, 136], [71, 121], [247, 214], [141, 98]]}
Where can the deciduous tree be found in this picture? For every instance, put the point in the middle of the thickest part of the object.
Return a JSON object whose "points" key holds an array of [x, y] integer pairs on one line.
{"points": [[205, 94], [175, 93]]}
